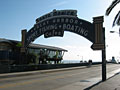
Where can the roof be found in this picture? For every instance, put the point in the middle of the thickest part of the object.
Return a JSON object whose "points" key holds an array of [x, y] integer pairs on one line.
{"points": [[5, 41], [46, 47], [32, 45]]}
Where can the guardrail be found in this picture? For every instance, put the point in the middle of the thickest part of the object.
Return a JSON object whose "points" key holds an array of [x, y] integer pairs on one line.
{"points": [[21, 68]]}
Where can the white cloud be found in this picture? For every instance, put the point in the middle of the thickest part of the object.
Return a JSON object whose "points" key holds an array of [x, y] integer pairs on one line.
{"points": [[59, 4]]}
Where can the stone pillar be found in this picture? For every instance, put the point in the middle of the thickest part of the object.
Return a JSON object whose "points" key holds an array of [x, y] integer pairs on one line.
{"points": [[98, 27], [98, 23], [23, 32], [23, 48]]}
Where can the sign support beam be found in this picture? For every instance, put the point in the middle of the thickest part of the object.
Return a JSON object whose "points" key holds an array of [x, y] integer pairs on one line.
{"points": [[99, 43], [104, 59]]}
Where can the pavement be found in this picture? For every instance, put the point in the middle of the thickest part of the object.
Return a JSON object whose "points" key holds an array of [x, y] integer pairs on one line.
{"points": [[17, 74], [112, 83]]}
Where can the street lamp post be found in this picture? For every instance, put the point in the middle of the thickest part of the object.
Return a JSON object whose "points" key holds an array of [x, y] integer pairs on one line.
{"points": [[115, 32], [81, 57], [112, 31]]}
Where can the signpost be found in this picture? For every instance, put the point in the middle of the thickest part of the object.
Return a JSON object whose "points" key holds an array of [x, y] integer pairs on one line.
{"points": [[104, 58], [56, 22]]}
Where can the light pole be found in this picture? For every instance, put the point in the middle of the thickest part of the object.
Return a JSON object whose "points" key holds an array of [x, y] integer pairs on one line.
{"points": [[115, 32], [81, 58]]}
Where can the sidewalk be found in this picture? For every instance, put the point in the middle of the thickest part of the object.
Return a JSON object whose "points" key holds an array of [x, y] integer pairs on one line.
{"points": [[95, 83], [112, 83]]}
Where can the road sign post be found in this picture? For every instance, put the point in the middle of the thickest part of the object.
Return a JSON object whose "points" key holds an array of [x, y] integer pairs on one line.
{"points": [[99, 43], [104, 59]]}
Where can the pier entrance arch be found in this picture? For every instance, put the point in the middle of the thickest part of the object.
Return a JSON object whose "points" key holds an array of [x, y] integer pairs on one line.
{"points": [[57, 22]]}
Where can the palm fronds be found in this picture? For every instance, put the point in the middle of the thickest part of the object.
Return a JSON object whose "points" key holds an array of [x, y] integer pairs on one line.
{"points": [[110, 8], [117, 19], [114, 3]]}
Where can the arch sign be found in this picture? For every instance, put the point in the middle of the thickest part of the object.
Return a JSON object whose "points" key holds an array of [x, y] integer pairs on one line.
{"points": [[56, 22]]}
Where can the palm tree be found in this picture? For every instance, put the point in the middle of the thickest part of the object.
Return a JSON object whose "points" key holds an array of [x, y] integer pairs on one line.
{"points": [[110, 8]]}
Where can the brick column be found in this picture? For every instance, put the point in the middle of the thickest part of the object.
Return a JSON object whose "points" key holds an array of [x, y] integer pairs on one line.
{"points": [[23, 32]]}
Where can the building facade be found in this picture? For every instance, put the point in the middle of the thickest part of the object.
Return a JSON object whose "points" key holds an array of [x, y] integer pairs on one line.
{"points": [[35, 53]]}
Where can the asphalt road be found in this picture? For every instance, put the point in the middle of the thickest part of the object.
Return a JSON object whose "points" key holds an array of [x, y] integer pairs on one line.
{"points": [[61, 80]]}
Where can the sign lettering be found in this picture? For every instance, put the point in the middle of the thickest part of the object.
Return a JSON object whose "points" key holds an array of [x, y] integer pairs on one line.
{"points": [[58, 21], [54, 33], [55, 27], [57, 13]]}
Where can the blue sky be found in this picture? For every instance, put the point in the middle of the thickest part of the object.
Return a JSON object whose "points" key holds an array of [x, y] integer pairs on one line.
{"points": [[16, 15]]}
